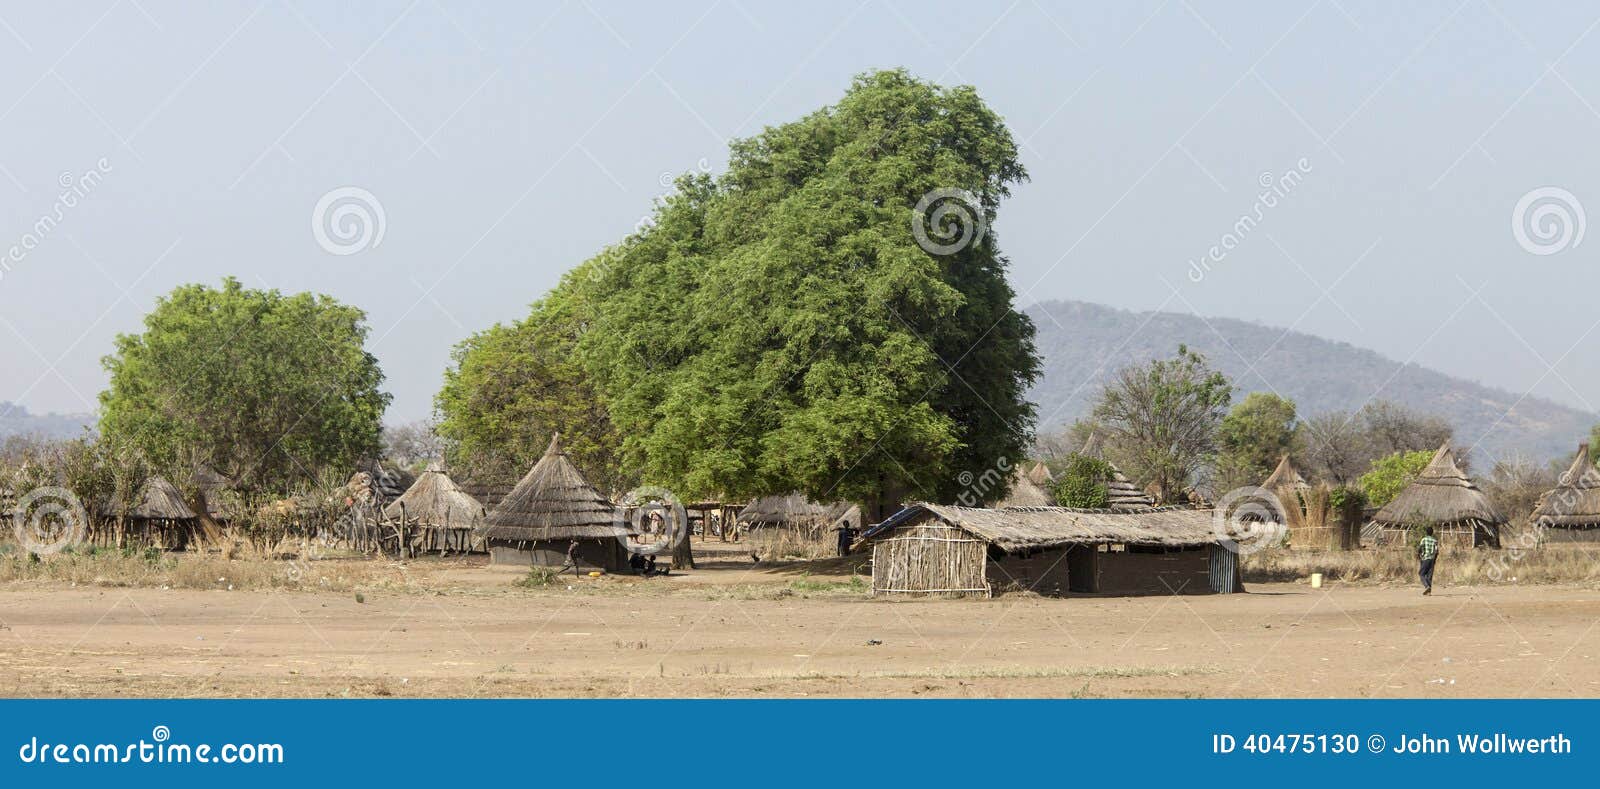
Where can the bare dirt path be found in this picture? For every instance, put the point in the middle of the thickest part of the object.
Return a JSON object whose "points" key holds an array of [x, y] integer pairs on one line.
{"points": [[732, 630]]}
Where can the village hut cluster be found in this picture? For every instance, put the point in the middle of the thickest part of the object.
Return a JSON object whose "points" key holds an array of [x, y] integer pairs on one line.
{"points": [[553, 517]]}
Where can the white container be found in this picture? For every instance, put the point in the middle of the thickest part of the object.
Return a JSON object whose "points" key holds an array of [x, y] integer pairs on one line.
{"points": [[1316, 580]]}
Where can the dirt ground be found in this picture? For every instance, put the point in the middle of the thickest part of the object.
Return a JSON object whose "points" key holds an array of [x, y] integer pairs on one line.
{"points": [[459, 628]]}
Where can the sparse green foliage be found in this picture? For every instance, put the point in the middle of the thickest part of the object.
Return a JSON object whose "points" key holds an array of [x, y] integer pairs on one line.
{"points": [[1391, 474], [1161, 420]]}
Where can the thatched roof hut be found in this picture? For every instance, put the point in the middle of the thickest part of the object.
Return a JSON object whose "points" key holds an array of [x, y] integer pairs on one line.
{"points": [[436, 500], [551, 508], [1027, 491], [937, 549], [161, 502], [793, 510], [1040, 475], [1444, 497], [1285, 477], [1121, 493], [1571, 510]]}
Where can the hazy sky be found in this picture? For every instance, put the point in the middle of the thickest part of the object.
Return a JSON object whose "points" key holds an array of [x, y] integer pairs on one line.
{"points": [[505, 142]]}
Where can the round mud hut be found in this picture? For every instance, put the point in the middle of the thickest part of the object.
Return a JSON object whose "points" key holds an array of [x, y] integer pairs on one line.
{"points": [[1570, 512], [1443, 497], [446, 516], [552, 511]]}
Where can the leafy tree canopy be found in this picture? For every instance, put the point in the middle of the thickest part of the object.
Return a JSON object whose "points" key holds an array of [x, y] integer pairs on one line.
{"points": [[1391, 474], [1257, 432], [1161, 420], [511, 386], [265, 388], [780, 328]]}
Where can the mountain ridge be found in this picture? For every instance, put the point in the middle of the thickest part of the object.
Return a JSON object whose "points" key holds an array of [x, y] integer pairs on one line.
{"points": [[1082, 344]]}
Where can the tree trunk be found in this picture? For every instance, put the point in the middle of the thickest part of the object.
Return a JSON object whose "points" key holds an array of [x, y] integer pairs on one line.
{"points": [[683, 552]]}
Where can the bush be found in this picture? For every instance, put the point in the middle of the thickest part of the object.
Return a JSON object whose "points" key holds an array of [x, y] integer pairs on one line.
{"points": [[1083, 483]]}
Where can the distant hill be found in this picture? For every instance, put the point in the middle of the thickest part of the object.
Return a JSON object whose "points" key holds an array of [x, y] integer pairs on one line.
{"points": [[16, 420], [1084, 344]]}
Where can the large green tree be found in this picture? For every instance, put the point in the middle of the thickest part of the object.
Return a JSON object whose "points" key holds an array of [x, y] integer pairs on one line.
{"points": [[513, 385], [266, 389], [1257, 431], [781, 327], [1161, 420]]}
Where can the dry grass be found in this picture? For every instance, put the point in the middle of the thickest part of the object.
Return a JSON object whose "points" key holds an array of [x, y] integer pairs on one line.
{"points": [[779, 544], [241, 569], [1550, 564]]}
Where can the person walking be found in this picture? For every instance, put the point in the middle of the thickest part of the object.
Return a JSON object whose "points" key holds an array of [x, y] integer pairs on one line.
{"points": [[1427, 556]]}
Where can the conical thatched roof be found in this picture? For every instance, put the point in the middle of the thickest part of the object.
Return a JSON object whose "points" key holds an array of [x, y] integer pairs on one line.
{"points": [[162, 501], [1026, 491], [1040, 475], [1285, 476], [553, 502], [1575, 501], [1122, 494], [1441, 494], [436, 500]]}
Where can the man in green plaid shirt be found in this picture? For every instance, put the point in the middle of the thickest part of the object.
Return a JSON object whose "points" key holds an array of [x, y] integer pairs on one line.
{"points": [[1428, 553]]}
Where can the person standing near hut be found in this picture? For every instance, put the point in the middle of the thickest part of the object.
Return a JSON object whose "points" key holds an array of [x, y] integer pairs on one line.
{"points": [[572, 558], [847, 535], [1427, 555]]}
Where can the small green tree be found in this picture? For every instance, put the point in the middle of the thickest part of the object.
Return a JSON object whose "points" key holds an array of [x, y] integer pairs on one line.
{"points": [[1161, 420], [1257, 432], [1594, 444], [262, 387], [1083, 482], [1391, 474]]}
